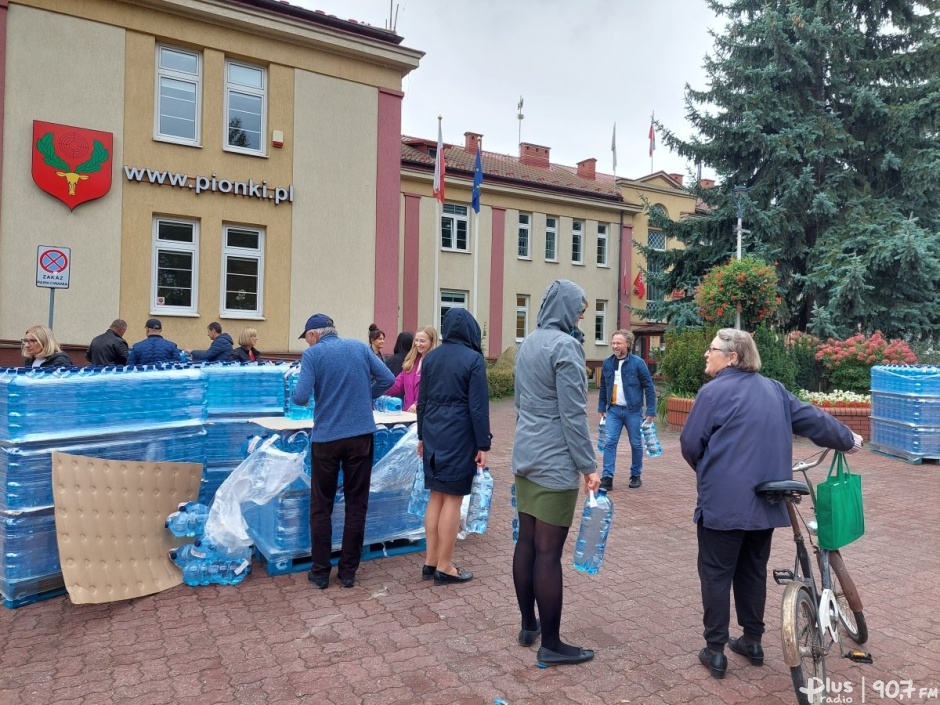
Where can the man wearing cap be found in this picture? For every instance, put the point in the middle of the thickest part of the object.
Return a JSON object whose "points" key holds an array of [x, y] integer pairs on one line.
{"points": [[343, 376], [153, 348]]}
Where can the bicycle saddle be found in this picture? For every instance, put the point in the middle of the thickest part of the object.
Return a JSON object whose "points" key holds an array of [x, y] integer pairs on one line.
{"points": [[781, 490]]}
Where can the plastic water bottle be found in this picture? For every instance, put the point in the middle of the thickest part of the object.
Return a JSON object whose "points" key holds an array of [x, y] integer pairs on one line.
{"points": [[387, 404], [651, 443], [481, 497], [397, 432], [420, 496], [515, 515], [592, 537], [601, 435], [292, 410], [188, 520]]}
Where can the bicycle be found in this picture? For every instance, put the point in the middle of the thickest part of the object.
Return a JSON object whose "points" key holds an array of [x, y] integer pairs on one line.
{"points": [[814, 617]]}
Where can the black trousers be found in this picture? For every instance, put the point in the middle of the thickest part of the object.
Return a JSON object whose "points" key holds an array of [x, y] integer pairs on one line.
{"points": [[735, 559], [355, 455]]}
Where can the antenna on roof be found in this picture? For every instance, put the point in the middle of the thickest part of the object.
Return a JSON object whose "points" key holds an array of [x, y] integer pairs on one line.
{"points": [[392, 17], [521, 118]]}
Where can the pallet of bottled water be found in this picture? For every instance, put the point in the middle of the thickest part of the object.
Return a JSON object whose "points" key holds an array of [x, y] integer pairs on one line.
{"points": [[905, 411]]}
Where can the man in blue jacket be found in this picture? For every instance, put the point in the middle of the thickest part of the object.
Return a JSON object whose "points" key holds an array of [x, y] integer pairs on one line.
{"points": [[625, 381], [154, 348], [343, 376], [221, 348]]}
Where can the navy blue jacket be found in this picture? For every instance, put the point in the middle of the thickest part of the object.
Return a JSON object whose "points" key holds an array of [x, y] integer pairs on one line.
{"points": [[153, 349], [453, 400], [740, 434], [637, 382], [219, 351]]}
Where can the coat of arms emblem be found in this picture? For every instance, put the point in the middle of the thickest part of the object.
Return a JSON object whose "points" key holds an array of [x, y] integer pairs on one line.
{"points": [[72, 164]]}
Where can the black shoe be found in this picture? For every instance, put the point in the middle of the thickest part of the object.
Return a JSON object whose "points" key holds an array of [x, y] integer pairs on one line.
{"points": [[607, 483], [347, 582], [446, 578], [547, 657], [751, 649], [321, 580], [635, 481], [527, 637], [714, 661], [427, 571]]}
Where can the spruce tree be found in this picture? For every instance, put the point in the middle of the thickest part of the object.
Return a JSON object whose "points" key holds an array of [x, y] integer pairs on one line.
{"points": [[829, 113]]}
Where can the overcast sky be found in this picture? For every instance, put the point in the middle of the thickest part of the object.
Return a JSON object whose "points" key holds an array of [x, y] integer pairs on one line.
{"points": [[579, 65]]}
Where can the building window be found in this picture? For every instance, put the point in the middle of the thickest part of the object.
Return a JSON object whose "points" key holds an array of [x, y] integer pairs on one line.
{"points": [[175, 266], [522, 317], [452, 299], [654, 266], [577, 242], [454, 228], [524, 220], [600, 322], [245, 98], [242, 272], [601, 245], [551, 240], [179, 92]]}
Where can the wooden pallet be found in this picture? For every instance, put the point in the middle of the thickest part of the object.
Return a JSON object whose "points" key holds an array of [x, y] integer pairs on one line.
{"points": [[284, 565]]}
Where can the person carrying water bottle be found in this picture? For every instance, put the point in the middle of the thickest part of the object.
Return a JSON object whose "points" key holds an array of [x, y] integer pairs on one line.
{"points": [[551, 454]]}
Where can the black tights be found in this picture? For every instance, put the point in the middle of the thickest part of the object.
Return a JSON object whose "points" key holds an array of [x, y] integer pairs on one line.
{"points": [[536, 573]]}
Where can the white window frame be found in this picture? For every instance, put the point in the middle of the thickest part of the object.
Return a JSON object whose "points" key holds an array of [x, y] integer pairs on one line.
{"points": [[156, 306], [603, 249], [655, 268], [522, 313], [577, 236], [551, 230], [254, 91], [455, 216], [184, 77], [256, 254], [455, 298], [524, 239], [600, 321]]}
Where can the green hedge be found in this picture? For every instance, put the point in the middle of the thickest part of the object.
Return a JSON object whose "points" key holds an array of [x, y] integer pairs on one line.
{"points": [[501, 382]]}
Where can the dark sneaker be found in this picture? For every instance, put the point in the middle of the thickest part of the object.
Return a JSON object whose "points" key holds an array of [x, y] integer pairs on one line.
{"points": [[750, 649], [607, 483], [635, 481], [321, 580]]}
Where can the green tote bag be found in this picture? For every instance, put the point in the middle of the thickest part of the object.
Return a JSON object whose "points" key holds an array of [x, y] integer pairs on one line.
{"points": [[839, 512]]}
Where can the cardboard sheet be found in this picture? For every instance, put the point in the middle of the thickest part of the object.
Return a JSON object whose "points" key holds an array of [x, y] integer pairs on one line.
{"points": [[281, 423], [110, 520]]}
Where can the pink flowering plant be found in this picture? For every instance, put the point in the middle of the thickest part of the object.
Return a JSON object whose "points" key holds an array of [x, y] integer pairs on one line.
{"points": [[848, 362], [748, 286]]}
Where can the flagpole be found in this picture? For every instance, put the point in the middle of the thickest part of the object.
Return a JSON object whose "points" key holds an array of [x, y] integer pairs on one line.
{"points": [[652, 139], [438, 190], [476, 260]]}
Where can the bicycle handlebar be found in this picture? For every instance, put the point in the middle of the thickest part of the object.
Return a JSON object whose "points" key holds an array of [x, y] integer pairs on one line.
{"points": [[805, 465]]}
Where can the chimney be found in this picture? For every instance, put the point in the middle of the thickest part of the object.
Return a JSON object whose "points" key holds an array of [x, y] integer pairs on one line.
{"points": [[533, 154], [677, 177], [471, 140], [586, 168], [706, 183]]}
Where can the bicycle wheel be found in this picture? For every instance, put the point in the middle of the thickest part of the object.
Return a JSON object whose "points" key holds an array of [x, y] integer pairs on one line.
{"points": [[802, 645], [850, 604]]}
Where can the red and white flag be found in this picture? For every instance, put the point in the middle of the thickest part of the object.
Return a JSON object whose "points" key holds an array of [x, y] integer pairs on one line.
{"points": [[652, 139], [439, 166], [639, 285]]}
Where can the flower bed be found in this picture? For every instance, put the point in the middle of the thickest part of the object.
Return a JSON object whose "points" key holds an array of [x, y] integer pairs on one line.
{"points": [[850, 408]]}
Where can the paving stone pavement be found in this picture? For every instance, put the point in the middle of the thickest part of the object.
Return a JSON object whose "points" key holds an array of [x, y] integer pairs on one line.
{"points": [[397, 639]]}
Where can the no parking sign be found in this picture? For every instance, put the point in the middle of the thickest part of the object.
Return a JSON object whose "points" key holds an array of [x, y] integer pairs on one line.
{"points": [[53, 267]]}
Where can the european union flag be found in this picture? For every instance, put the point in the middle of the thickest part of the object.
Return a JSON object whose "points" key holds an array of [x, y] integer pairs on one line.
{"points": [[477, 180]]}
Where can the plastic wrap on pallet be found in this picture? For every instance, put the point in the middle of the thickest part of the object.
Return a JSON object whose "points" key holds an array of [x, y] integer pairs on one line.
{"points": [[245, 388], [906, 379], [910, 440], [907, 408], [227, 438], [49, 403], [28, 551], [26, 468]]}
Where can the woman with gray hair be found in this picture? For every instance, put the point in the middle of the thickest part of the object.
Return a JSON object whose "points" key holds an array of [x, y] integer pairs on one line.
{"points": [[738, 435]]}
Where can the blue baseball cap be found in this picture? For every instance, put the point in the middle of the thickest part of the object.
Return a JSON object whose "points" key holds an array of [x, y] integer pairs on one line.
{"points": [[317, 320]]}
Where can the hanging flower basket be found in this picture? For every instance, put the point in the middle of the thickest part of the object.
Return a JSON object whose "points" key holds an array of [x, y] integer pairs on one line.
{"points": [[747, 286]]}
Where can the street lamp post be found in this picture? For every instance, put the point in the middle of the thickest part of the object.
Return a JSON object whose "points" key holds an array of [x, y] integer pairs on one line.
{"points": [[739, 191]]}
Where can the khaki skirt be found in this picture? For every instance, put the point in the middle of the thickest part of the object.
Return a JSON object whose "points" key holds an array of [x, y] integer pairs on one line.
{"points": [[555, 507]]}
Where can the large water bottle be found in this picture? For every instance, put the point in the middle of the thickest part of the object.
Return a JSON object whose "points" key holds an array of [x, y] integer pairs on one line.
{"points": [[420, 496], [188, 520], [515, 515], [481, 497], [397, 432], [601, 435], [651, 443], [292, 410], [381, 443], [592, 537]]}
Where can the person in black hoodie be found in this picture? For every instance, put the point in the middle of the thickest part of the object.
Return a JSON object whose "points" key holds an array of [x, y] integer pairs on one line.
{"points": [[221, 348], [403, 344], [453, 437], [41, 349]]}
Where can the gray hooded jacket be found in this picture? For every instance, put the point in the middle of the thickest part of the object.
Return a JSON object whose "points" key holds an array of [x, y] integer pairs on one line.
{"points": [[553, 446]]}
